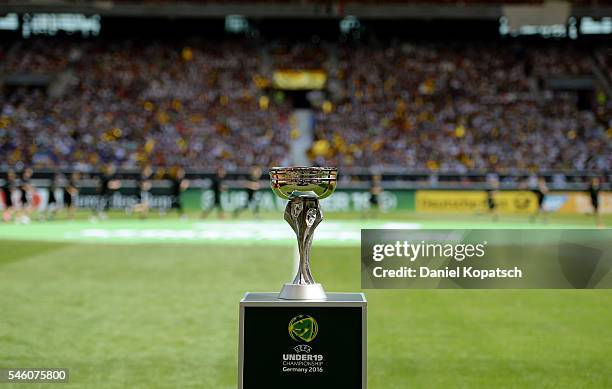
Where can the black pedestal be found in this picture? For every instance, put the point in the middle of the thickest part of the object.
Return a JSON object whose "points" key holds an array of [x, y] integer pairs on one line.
{"points": [[300, 343]]}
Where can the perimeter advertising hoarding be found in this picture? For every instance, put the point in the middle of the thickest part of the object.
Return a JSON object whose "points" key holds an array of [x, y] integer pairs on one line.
{"points": [[507, 202], [432, 201]]}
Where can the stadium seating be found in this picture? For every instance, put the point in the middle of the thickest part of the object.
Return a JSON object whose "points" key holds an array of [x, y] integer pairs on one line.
{"points": [[449, 107]]}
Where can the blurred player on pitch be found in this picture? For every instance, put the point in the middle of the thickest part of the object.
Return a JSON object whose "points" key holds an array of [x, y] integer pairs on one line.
{"points": [[144, 192], [492, 189], [26, 204], [376, 190], [541, 191], [69, 190], [71, 194], [53, 203], [252, 186], [179, 185], [218, 187], [108, 184], [7, 191], [593, 191]]}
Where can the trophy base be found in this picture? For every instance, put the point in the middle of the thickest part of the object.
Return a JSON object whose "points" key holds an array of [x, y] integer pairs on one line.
{"points": [[302, 292], [270, 353]]}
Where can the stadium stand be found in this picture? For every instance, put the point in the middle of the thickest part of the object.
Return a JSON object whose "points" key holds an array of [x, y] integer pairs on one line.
{"points": [[451, 107]]}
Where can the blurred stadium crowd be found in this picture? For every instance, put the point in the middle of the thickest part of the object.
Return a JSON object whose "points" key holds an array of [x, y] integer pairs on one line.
{"points": [[202, 104]]}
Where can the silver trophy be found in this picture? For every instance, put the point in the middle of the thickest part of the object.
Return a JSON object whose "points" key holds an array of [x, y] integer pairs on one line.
{"points": [[303, 187]]}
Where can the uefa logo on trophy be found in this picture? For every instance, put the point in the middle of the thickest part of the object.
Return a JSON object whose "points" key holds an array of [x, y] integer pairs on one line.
{"points": [[303, 187]]}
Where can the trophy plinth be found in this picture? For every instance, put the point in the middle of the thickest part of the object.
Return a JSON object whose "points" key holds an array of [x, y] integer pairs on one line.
{"points": [[303, 187]]}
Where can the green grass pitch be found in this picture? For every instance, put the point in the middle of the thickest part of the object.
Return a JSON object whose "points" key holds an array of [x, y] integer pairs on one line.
{"points": [[145, 314]]}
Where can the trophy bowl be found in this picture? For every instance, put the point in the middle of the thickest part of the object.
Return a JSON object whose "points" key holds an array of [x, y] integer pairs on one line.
{"points": [[319, 182]]}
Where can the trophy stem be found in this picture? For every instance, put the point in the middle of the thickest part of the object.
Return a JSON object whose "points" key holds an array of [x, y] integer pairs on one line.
{"points": [[303, 213]]}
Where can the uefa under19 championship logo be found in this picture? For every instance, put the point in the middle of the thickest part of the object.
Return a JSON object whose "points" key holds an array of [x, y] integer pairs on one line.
{"points": [[303, 328], [303, 359]]}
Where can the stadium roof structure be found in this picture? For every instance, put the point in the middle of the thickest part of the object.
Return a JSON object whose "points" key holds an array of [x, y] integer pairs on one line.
{"points": [[421, 9]]}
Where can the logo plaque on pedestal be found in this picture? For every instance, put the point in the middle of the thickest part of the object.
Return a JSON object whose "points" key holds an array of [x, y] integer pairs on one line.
{"points": [[303, 334]]}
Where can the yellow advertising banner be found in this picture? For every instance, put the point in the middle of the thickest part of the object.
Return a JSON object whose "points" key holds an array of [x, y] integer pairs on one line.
{"points": [[447, 201], [468, 201], [299, 79], [509, 202]]}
